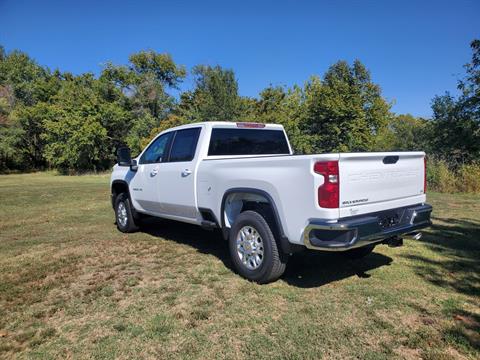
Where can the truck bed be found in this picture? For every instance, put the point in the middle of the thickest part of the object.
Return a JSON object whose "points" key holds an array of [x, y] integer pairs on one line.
{"points": [[368, 183]]}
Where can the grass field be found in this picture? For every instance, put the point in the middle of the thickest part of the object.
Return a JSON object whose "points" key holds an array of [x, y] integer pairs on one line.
{"points": [[72, 286]]}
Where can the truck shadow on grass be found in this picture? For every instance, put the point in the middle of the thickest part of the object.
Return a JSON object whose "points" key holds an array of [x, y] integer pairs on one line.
{"points": [[458, 269], [458, 242], [306, 269], [312, 269]]}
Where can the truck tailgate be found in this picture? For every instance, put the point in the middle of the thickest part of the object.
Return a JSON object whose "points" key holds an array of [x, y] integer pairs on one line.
{"points": [[376, 178]]}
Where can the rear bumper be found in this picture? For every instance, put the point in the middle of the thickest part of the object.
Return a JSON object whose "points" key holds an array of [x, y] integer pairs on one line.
{"points": [[358, 231]]}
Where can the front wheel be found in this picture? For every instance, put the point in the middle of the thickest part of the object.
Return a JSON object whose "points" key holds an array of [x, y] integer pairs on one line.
{"points": [[253, 249], [124, 214]]}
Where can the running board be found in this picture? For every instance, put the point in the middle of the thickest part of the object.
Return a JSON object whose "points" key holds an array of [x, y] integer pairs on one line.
{"points": [[208, 225]]}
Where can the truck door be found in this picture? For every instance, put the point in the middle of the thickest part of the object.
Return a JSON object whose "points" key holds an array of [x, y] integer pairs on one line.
{"points": [[176, 181], [144, 184]]}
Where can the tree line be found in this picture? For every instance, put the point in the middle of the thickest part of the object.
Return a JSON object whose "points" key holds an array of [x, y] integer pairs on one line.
{"points": [[58, 120]]}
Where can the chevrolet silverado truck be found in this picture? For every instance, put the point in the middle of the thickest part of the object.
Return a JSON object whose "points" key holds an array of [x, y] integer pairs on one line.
{"points": [[243, 179]]}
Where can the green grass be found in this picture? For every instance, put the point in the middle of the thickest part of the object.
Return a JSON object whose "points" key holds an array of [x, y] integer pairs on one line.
{"points": [[72, 286]]}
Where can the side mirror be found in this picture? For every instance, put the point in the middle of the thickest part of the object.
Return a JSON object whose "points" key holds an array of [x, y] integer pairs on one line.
{"points": [[124, 158]]}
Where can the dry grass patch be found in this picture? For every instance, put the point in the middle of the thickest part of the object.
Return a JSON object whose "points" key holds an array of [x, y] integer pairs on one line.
{"points": [[72, 286]]}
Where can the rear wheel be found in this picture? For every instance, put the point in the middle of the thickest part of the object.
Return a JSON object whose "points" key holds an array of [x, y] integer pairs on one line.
{"points": [[124, 214], [253, 249], [359, 252]]}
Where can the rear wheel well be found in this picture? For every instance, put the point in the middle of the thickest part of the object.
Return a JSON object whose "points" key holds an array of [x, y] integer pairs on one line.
{"points": [[236, 203]]}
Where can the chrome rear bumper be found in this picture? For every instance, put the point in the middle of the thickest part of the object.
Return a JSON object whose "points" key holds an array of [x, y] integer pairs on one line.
{"points": [[362, 230]]}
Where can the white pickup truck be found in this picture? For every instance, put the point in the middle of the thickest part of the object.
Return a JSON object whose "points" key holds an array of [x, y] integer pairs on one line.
{"points": [[243, 179]]}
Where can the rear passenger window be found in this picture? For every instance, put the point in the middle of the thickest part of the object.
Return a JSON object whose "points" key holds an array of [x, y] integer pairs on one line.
{"points": [[184, 145]]}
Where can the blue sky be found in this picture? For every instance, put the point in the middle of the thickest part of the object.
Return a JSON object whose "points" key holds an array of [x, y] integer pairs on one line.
{"points": [[414, 49]]}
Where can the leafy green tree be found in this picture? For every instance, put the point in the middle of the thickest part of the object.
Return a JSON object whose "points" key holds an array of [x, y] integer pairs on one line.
{"points": [[28, 80], [345, 111], [405, 133], [246, 109], [286, 107], [10, 134], [271, 102], [215, 97], [6, 104], [456, 134], [171, 121], [143, 84], [470, 85], [76, 122], [160, 66], [141, 127], [26, 87], [30, 145], [456, 121], [74, 135]]}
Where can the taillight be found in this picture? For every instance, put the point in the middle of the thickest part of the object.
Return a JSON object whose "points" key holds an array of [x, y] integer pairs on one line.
{"points": [[424, 174], [329, 192]]}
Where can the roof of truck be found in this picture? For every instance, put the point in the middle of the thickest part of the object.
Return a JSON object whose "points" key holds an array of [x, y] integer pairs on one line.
{"points": [[230, 124]]}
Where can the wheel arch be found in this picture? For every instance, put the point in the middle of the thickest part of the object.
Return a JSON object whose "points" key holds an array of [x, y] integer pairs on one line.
{"points": [[252, 194], [118, 187]]}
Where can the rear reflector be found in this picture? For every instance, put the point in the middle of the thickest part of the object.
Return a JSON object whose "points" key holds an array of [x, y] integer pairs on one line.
{"points": [[250, 125], [328, 193]]}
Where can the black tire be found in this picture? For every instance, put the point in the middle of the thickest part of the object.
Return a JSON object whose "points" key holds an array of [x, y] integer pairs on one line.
{"points": [[131, 224], [359, 253], [273, 262]]}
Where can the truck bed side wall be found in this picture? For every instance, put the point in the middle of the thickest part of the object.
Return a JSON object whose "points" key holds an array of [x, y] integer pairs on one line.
{"points": [[287, 179]]}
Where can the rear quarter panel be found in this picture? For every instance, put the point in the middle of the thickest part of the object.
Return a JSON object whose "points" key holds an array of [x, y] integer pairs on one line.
{"points": [[289, 180]]}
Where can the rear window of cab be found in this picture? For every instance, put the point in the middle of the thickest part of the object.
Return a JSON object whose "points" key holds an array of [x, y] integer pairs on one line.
{"points": [[231, 141]]}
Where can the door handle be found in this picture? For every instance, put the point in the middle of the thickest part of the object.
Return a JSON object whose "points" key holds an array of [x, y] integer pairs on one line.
{"points": [[186, 172], [154, 172]]}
